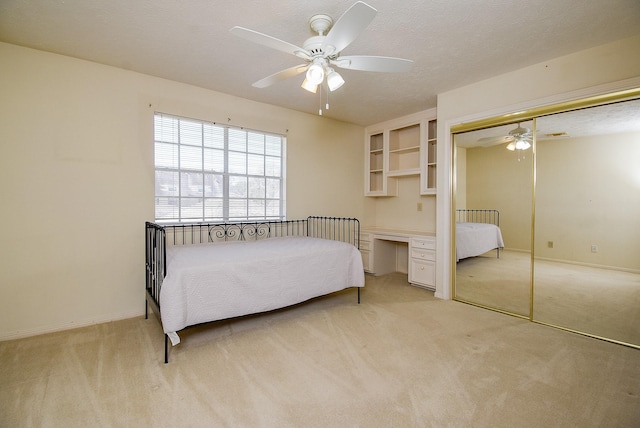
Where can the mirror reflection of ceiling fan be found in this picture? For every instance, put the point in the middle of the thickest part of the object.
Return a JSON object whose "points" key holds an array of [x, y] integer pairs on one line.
{"points": [[323, 52], [517, 139]]}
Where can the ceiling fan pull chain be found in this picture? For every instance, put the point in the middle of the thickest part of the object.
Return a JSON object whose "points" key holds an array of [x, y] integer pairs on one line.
{"points": [[327, 104], [320, 109]]}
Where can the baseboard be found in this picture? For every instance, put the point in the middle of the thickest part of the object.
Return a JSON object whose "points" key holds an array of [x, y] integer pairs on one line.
{"points": [[20, 334], [577, 263], [592, 265]]}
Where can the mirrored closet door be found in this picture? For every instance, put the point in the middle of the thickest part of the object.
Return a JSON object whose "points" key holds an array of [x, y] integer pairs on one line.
{"points": [[587, 221], [493, 201], [569, 216]]}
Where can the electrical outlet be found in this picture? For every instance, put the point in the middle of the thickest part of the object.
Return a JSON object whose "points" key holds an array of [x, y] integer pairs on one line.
{"points": [[550, 244], [419, 206], [594, 248]]}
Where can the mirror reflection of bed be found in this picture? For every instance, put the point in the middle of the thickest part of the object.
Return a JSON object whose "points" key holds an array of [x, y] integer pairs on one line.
{"points": [[482, 263], [586, 267]]}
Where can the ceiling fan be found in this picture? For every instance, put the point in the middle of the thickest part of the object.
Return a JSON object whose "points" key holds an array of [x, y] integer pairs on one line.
{"points": [[323, 52], [517, 139]]}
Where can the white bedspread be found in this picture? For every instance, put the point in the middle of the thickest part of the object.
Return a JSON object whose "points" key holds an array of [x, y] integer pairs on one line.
{"points": [[210, 282], [473, 239]]}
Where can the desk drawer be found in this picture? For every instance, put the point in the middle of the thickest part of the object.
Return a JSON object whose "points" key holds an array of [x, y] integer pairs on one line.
{"points": [[427, 243], [422, 273], [422, 254]]}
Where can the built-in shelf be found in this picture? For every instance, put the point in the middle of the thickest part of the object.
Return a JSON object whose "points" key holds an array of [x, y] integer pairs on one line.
{"points": [[401, 148], [429, 170], [375, 154]]}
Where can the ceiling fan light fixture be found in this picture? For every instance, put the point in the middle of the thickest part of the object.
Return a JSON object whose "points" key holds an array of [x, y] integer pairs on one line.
{"points": [[334, 80], [313, 88], [511, 146], [315, 73], [522, 145]]}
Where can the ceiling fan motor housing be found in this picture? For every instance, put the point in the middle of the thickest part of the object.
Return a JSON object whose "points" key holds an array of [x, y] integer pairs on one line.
{"points": [[313, 45]]}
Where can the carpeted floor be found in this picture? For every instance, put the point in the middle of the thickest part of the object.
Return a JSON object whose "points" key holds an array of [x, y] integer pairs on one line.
{"points": [[601, 302], [402, 358]]}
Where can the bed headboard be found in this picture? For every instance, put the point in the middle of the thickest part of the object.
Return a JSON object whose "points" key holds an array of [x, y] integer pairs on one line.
{"points": [[478, 216], [334, 228], [200, 233]]}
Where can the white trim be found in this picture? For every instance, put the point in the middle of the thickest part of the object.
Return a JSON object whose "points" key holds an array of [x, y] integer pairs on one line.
{"points": [[550, 100]]}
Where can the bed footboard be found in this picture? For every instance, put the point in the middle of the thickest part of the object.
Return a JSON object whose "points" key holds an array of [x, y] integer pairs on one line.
{"points": [[158, 237], [479, 216]]}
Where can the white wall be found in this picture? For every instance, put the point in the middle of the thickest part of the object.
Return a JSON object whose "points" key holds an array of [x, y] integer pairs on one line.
{"points": [[585, 73], [76, 166], [401, 211]]}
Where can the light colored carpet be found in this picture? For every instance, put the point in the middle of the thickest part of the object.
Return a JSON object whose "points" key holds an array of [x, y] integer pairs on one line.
{"points": [[402, 358], [602, 302]]}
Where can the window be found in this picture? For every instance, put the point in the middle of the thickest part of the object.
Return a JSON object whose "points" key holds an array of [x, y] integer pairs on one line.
{"points": [[209, 172]]}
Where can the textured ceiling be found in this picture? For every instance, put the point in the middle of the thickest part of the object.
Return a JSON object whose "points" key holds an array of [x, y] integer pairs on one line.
{"points": [[452, 42]]}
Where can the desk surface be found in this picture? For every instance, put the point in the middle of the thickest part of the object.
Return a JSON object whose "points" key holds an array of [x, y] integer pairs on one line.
{"points": [[396, 232]]}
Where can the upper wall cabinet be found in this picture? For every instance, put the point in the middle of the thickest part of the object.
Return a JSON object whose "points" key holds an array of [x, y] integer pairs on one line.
{"points": [[399, 148]]}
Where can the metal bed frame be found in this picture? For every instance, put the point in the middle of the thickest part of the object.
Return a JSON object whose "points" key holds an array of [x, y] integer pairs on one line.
{"points": [[158, 236], [479, 216]]}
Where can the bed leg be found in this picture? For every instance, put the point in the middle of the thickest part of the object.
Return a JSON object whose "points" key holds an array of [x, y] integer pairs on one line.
{"points": [[146, 309], [358, 295], [166, 349]]}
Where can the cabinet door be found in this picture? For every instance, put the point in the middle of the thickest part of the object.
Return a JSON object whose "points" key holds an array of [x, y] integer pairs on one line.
{"points": [[423, 273], [366, 260], [365, 251]]}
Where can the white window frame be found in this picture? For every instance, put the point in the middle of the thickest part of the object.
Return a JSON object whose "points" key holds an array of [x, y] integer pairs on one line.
{"points": [[208, 172]]}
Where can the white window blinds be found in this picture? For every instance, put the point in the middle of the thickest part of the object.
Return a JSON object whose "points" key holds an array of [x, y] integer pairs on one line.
{"points": [[210, 172]]}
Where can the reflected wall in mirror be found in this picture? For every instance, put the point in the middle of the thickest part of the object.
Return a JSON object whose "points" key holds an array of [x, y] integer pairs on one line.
{"points": [[587, 221], [493, 201]]}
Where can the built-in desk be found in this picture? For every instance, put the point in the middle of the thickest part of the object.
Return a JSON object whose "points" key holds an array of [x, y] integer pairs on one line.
{"points": [[390, 250]]}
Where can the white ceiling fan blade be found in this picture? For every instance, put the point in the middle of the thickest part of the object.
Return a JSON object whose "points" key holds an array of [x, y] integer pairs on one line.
{"points": [[269, 41], [373, 63], [281, 75], [348, 27]]}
